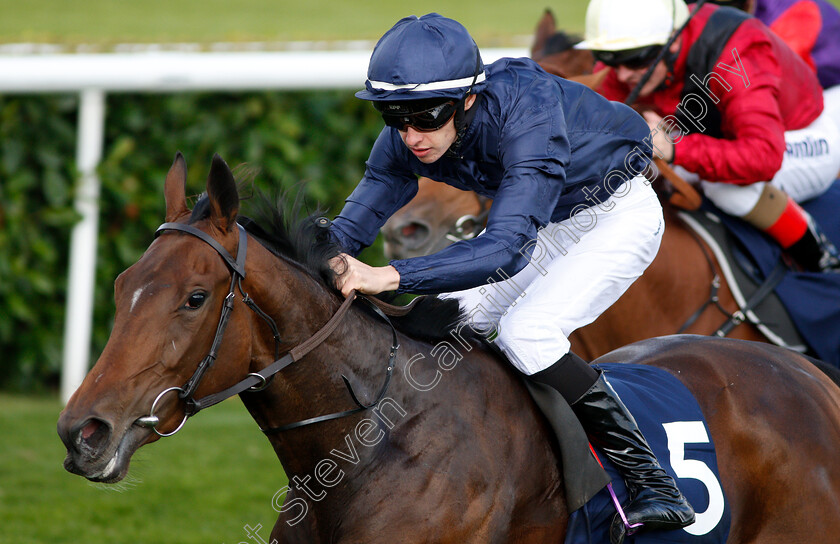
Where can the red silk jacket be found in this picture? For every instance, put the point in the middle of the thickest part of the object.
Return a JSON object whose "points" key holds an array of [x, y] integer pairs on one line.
{"points": [[770, 90]]}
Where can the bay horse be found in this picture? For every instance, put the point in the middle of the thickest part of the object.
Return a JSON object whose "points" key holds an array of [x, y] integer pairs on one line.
{"points": [[438, 215], [468, 460]]}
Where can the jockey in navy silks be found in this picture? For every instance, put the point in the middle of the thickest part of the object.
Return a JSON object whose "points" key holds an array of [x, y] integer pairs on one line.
{"points": [[573, 221]]}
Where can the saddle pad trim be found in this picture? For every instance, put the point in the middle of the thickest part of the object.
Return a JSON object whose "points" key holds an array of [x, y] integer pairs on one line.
{"points": [[723, 262]]}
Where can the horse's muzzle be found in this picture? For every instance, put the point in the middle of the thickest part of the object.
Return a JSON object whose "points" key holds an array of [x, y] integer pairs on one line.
{"points": [[91, 451]]}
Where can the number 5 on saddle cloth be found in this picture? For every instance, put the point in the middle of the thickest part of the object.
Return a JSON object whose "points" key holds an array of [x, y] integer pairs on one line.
{"points": [[675, 428]]}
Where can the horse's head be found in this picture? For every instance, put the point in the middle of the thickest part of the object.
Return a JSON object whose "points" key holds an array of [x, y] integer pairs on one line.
{"points": [[431, 220], [167, 308]]}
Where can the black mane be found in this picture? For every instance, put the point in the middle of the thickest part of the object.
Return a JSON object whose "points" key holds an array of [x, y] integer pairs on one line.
{"points": [[284, 227]]}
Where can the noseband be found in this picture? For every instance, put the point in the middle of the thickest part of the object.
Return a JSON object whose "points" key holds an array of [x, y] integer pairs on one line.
{"points": [[257, 381], [469, 226]]}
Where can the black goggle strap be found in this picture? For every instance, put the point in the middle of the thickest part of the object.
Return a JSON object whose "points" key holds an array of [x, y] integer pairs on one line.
{"points": [[400, 120], [462, 117], [475, 75], [635, 58]]}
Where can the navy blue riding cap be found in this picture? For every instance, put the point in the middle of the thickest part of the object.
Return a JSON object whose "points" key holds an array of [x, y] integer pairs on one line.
{"points": [[426, 57]]}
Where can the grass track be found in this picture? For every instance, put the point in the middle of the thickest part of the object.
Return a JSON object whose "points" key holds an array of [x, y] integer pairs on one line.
{"points": [[199, 486], [492, 22], [108, 22]]}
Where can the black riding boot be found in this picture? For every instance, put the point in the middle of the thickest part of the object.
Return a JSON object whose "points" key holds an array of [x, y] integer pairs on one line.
{"points": [[814, 252], [655, 500]]}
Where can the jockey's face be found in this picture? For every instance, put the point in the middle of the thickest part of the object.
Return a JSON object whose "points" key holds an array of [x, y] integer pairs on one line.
{"points": [[428, 147], [630, 76]]}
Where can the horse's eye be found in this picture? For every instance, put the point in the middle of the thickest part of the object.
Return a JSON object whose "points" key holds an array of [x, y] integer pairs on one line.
{"points": [[195, 300]]}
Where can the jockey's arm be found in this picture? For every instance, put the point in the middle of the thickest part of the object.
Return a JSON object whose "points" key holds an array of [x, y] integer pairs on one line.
{"points": [[753, 144], [534, 152], [382, 191]]}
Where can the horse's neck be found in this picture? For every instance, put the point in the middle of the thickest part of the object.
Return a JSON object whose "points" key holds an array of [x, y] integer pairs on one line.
{"points": [[357, 349], [446, 408]]}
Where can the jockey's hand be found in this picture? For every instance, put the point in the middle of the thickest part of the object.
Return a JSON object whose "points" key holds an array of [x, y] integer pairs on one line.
{"points": [[663, 144], [354, 274]]}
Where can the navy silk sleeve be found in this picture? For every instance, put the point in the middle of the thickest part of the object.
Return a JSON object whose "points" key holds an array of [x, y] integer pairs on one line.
{"points": [[384, 189], [537, 145]]}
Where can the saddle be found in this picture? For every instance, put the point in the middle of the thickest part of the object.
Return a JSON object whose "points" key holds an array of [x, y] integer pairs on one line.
{"points": [[583, 476], [794, 309]]}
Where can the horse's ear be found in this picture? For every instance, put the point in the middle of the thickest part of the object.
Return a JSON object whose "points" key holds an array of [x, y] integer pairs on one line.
{"points": [[223, 195], [545, 29], [174, 189]]}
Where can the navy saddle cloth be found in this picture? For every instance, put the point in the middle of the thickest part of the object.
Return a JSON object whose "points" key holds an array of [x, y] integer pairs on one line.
{"points": [[675, 428]]}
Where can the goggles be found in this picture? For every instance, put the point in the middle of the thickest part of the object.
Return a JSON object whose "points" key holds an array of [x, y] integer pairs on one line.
{"points": [[634, 59], [422, 115]]}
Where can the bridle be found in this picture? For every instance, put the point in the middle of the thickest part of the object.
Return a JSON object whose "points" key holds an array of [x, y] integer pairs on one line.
{"points": [[469, 226], [257, 381]]}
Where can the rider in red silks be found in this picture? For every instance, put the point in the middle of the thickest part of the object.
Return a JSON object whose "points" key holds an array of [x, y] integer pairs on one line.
{"points": [[810, 27], [732, 105]]}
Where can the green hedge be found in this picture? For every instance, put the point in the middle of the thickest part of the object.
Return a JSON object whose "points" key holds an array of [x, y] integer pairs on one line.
{"points": [[315, 142]]}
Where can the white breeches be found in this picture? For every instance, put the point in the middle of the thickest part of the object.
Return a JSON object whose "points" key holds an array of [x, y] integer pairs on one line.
{"points": [[579, 267]]}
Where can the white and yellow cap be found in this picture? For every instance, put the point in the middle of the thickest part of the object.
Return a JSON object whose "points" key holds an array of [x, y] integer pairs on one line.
{"points": [[618, 25]]}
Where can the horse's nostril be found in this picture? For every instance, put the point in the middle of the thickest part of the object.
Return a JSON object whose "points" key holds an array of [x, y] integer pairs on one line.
{"points": [[92, 436], [90, 428], [409, 230], [414, 231]]}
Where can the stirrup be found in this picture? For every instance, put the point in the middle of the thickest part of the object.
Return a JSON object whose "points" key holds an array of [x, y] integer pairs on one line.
{"points": [[830, 259], [620, 527]]}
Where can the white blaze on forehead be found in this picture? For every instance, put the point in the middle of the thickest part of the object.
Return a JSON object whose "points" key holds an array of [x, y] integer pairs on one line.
{"points": [[136, 296]]}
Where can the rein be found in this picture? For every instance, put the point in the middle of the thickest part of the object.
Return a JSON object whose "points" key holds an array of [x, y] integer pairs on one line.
{"points": [[713, 298], [257, 381]]}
